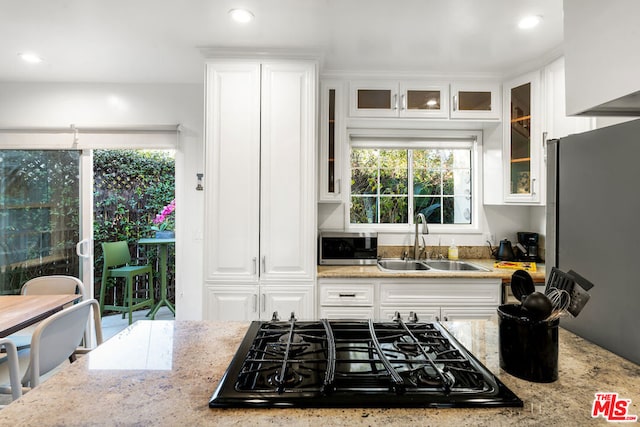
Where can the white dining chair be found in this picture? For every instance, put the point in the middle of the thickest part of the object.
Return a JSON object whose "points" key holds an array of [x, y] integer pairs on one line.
{"points": [[9, 363], [53, 285], [46, 285], [53, 341]]}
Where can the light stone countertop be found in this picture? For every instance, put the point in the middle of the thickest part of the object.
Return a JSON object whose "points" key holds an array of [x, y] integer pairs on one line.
{"points": [[162, 373], [372, 271]]}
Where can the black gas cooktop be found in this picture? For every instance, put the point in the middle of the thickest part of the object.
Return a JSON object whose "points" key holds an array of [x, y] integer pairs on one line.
{"points": [[356, 363]]}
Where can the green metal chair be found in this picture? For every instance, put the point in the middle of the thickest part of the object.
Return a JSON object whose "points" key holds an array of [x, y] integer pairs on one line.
{"points": [[116, 265]]}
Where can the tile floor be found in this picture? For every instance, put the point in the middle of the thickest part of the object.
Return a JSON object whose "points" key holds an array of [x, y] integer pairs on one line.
{"points": [[113, 324]]}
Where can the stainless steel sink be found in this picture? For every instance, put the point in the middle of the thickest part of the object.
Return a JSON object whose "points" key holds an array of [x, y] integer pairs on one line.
{"points": [[426, 265], [402, 265], [450, 265]]}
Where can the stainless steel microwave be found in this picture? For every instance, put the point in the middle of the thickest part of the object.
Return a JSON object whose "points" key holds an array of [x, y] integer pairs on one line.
{"points": [[345, 248]]}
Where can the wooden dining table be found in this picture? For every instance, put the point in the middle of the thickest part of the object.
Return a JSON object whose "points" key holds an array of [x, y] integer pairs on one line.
{"points": [[19, 311]]}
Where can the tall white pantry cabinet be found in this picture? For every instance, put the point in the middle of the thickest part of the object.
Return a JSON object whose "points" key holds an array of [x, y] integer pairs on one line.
{"points": [[260, 216]]}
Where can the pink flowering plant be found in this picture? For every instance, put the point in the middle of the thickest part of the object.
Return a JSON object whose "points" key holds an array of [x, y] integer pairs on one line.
{"points": [[162, 220]]}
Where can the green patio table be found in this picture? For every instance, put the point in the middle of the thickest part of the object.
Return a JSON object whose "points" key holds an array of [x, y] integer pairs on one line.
{"points": [[163, 250]]}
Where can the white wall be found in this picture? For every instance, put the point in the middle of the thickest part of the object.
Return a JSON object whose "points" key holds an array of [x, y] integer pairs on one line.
{"points": [[62, 104]]}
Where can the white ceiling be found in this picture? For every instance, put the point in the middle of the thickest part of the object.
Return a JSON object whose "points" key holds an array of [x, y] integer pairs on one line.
{"points": [[160, 40]]}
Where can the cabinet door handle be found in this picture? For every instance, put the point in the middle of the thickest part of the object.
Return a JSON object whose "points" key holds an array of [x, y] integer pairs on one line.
{"points": [[338, 183], [455, 102], [264, 263], [437, 318], [395, 101], [255, 266], [533, 186], [263, 302], [347, 295], [255, 303], [403, 102]]}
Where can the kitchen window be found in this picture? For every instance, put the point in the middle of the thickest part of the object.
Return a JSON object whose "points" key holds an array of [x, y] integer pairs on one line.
{"points": [[395, 178]]}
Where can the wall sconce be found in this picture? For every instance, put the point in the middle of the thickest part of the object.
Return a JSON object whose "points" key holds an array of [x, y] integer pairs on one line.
{"points": [[199, 186]]}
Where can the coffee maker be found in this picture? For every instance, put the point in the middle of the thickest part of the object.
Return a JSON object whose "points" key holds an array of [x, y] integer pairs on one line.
{"points": [[527, 247]]}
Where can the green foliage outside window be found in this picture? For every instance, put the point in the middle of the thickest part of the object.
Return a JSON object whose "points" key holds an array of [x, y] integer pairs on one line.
{"points": [[440, 179]]}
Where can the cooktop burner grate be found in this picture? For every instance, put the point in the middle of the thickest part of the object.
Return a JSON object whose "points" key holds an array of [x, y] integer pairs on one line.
{"points": [[356, 363]]}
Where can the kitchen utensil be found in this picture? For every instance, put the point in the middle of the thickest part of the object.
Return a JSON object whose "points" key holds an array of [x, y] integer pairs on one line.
{"points": [[521, 284], [578, 295], [560, 300], [537, 305]]}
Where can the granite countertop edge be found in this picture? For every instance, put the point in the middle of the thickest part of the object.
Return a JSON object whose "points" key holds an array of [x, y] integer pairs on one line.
{"points": [[372, 271]]}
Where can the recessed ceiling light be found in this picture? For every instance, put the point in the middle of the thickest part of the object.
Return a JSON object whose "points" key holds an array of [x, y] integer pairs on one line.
{"points": [[31, 58], [529, 21], [241, 15]]}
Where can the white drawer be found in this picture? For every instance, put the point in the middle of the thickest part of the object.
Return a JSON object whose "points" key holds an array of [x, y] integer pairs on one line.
{"points": [[347, 313], [346, 294]]}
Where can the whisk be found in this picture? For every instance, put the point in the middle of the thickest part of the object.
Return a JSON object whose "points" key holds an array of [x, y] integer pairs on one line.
{"points": [[560, 300]]}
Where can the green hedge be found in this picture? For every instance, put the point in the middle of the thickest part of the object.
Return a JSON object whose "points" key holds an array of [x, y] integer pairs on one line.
{"points": [[130, 188]]}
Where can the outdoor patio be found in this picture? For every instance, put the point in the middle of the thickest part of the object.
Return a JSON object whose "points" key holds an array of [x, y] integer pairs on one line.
{"points": [[114, 323]]}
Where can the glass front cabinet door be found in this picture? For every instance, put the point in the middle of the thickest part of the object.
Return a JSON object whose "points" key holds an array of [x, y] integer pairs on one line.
{"points": [[415, 99], [523, 145], [475, 100], [331, 115]]}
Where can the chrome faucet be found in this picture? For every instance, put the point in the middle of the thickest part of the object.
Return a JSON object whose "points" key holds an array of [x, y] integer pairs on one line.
{"points": [[425, 230]]}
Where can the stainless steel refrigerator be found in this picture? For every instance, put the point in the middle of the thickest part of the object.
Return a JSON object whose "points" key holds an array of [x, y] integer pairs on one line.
{"points": [[593, 228]]}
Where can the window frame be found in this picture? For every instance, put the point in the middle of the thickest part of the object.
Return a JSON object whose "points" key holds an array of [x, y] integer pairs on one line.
{"points": [[418, 139]]}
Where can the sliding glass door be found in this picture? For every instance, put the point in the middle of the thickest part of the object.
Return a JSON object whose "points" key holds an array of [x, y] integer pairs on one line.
{"points": [[41, 216]]}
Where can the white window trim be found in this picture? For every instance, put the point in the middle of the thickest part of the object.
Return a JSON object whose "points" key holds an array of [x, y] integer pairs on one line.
{"points": [[404, 138]]}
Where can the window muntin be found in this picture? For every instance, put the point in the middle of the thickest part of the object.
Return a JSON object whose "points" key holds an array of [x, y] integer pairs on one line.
{"points": [[391, 182]]}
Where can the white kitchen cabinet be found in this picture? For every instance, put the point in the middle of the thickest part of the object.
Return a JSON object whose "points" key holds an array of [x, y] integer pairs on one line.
{"points": [[440, 299], [444, 314], [534, 112], [252, 302], [388, 98], [354, 313], [287, 299], [260, 209], [556, 123], [237, 302], [346, 299], [430, 298], [602, 64], [523, 143], [332, 114], [476, 100]]}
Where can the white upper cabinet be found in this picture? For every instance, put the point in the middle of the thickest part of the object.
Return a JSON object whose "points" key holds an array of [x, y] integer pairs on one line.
{"points": [[556, 123], [415, 99], [476, 100], [332, 95], [601, 49], [534, 112], [523, 141]]}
